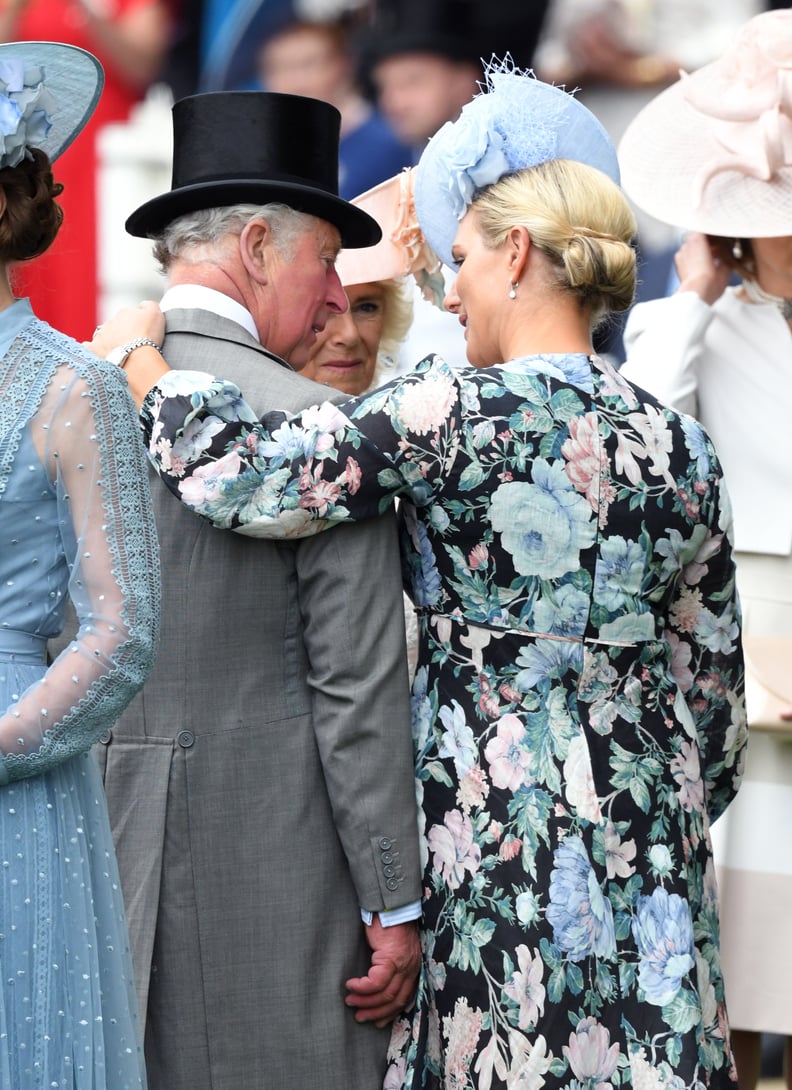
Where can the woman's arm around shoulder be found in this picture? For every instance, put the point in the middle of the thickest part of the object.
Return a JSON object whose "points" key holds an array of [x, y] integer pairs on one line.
{"points": [[293, 475]]}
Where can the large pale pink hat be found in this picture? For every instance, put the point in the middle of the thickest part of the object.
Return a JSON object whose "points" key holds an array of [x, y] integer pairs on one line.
{"points": [[713, 152], [402, 251]]}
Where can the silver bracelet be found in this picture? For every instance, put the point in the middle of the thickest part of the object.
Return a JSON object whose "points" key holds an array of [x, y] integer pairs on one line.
{"points": [[120, 354]]}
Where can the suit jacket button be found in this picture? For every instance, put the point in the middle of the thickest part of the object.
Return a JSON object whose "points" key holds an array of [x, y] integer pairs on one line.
{"points": [[392, 884], [386, 843], [389, 872], [185, 738], [105, 738], [387, 857]]}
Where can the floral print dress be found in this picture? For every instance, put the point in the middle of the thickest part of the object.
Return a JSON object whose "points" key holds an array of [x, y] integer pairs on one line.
{"points": [[577, 708]]}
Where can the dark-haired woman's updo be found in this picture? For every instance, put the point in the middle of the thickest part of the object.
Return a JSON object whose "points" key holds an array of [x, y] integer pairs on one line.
{"points": [[32, 217]]}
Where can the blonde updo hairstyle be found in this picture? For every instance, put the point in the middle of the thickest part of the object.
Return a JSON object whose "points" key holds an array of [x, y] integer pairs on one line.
{"points": [[579, 219], [32, 216]]}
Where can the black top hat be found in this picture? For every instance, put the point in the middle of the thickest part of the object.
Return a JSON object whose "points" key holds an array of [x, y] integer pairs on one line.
{"points": [[461, 30], [442, 27], [233, 147]]}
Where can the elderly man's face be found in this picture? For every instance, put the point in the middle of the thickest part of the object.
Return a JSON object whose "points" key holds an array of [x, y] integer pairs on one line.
{"points": [[304, 291]]}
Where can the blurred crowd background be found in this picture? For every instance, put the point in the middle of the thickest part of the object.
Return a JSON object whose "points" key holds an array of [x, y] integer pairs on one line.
{"points": [[396, 70]]}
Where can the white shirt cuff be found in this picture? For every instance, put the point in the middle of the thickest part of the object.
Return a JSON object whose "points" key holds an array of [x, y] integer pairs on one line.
{"points": [[404, 914]]}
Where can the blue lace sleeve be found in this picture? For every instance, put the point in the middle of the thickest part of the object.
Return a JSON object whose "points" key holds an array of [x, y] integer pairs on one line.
{"points": [[86, 434]]}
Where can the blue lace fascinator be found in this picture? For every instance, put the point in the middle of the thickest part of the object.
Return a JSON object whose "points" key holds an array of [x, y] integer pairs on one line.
{"points": [[48, 91], [515, 122]]}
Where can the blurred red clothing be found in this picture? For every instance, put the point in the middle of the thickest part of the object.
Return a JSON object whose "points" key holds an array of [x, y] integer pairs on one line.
{"points": [[63, 284]]}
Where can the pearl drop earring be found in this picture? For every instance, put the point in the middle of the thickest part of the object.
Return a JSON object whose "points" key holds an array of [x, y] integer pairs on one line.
{"points": [[513, 290], [737, 250]]}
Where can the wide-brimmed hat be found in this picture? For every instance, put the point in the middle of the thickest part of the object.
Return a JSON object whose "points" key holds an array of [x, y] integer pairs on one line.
{"points": [[48, 91], [515, 123], [713, 152], [402, 251], [255, 147]]}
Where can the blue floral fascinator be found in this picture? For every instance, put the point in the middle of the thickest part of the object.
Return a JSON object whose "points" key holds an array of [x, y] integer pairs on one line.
{"points": [[48, 91], [515, 122]]}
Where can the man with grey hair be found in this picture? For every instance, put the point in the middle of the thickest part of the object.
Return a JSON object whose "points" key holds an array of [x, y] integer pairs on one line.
{"points": [[261, 788]]}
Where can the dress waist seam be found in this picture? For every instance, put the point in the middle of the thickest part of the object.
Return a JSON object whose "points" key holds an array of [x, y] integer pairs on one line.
{"points": [[15, 642], [583, 640]]}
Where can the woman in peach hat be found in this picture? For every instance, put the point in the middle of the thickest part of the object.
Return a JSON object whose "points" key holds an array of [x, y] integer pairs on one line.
{"points": [[358, 348]]}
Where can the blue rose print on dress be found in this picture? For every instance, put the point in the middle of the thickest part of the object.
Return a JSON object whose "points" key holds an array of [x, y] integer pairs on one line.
{"points": [[697, 444], [544, 660], [620, 569], [663, 931], [563, 614], [543, 525], [422, 711], [581, 917], [427, 586]]}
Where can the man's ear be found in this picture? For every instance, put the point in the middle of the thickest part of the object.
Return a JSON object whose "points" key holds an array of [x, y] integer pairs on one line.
{"points": [[255, 249]]}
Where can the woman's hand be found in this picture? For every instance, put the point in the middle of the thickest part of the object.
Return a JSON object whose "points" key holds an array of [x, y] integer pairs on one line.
{"points": [[700, 270], [145, 366], [144, 320]]}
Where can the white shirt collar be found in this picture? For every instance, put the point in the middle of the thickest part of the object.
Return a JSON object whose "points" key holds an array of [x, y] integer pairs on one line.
{"points": [[199, 297]]}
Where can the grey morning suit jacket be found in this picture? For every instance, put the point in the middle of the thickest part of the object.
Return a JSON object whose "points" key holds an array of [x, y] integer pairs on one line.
{"points": [[261, 787]]}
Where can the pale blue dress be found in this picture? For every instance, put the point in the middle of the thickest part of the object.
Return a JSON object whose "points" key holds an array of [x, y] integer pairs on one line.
{"points": [[74, 520]]}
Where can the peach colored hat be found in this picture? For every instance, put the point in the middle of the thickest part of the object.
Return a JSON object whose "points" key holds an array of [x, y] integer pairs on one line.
{"points": [[713, 152], [402, 250]]}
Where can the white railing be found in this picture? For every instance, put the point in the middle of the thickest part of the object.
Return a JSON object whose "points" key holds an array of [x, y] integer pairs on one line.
{"points": [[134, 165]]}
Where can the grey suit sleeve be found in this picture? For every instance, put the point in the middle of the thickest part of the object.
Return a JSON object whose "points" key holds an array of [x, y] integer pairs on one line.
{"points": [[351, 600]]}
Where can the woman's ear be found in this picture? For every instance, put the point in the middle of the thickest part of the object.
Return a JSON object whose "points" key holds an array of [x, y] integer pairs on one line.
{"points": [[518, 246], [255, 248], [3, 201]]}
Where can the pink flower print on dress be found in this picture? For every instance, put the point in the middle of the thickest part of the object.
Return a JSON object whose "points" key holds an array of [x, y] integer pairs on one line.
{"points": [[525, 986], [591, 1056], [686, 770], [424, 407], [455, 851], [509, 759]]}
